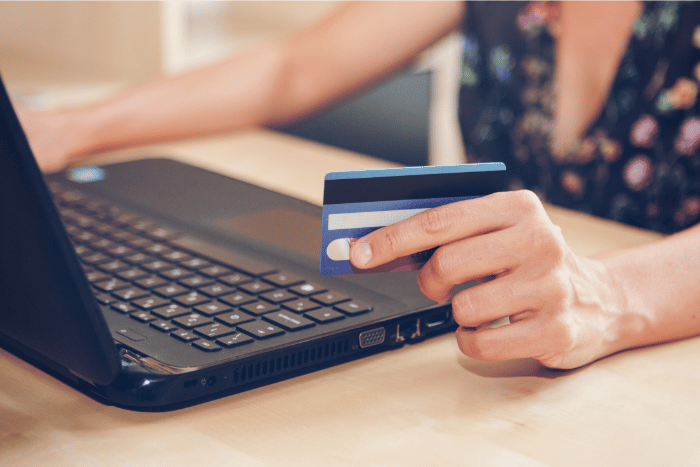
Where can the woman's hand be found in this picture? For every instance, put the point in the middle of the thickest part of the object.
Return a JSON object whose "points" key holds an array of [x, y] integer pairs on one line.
{"points": [[50, 137], [565, 310]]}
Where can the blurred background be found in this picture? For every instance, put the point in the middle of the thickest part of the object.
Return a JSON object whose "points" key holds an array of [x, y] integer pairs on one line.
{"points": [[53, 53]]}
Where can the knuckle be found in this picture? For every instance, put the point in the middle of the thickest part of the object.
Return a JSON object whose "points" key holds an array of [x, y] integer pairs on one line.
{"points": [[546, 240], [526, 200], [463, 309], [443, 263], [389, 241], [482, 347], [437, 220]]}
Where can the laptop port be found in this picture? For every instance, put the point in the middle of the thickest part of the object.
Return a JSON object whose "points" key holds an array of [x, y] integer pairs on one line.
{"points": [[373, 337], [408, 331], [436, 319]]}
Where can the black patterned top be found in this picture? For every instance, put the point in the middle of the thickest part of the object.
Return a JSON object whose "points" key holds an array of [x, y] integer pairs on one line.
{"points": [[638, 163]]}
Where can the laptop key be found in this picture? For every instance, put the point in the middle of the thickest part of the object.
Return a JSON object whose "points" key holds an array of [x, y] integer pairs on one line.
{"points": [[216, 290], [283, 279], [138, 258], [113, 266], [324, 315], [213, 331], [150, 302], [197, 281], [212, 308], [132, 274], [353, 308], [233, 318], [157, 266], [256, 287], [97, 276], [95, 258], [177, 256], [177, 273], [111, 285], [238, 298], [191, 321], [171, 290], [142, 316], [151, 282], [82, 250], [329, 298], [193, 298], [157, 249], [105, 299], [307, 289], [120, 251], [278, 296], [164, 326], [184, 336], [206, 346], [124, 308], [288, 321], [215, 271], [258, 308], [235, 279], [196, 263], [234, 340], [260, 329], [171, 311], [301, 306], [130, 293]]}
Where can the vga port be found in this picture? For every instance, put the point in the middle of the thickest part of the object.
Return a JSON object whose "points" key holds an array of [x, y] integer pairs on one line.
{"points": [[373, 337]]}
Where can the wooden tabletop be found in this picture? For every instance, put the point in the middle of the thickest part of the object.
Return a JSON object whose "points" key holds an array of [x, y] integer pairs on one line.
{"points": [[424, 404]]}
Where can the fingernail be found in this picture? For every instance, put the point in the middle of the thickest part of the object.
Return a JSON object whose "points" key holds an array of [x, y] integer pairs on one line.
{"points": [[361, 254]]}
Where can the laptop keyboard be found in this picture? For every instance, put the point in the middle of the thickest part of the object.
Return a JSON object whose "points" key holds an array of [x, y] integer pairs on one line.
{"points": [[200, 295]]}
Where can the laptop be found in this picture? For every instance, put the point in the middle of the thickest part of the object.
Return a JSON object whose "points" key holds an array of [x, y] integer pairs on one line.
{"points": [[153, 285]]}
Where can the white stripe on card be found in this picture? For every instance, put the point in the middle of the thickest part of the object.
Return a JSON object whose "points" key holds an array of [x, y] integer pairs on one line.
{"points": [[361, 220]]}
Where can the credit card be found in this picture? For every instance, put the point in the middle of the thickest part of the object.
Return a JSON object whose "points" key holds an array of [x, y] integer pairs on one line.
{"points": [[357, 202]]}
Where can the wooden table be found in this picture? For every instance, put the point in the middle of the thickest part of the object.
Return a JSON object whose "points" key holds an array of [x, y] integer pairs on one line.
{"points": [[424, 404]]}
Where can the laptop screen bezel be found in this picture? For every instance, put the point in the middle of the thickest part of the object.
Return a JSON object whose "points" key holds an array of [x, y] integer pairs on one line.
{"points": [[48, 307]]}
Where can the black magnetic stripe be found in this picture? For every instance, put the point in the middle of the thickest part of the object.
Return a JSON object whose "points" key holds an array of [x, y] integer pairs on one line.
{"points": [[363, 190]]}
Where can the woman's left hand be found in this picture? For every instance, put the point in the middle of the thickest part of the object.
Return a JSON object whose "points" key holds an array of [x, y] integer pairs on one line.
{"points": [[565, 310]]}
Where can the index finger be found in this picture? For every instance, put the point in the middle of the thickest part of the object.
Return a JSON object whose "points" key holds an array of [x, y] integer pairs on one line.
{"points": [[442, 225]]}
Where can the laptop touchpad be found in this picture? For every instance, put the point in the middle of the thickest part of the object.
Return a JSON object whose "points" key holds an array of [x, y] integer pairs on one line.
{"points": [[285, 228]]}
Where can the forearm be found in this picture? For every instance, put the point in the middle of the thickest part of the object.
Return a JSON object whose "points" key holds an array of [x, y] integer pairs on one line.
{"points": [[225, 96], [354, 46], [660, 289]]}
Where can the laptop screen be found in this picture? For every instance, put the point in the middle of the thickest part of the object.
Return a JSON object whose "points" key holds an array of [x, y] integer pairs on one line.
{"points": [[46, 305]]}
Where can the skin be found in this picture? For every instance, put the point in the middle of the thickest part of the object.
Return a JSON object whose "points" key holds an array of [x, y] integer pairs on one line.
{"points": [[565, 310], [352, 48]]}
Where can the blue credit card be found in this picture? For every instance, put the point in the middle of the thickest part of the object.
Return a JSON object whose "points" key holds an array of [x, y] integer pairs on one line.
{"points": [[357, 202]]}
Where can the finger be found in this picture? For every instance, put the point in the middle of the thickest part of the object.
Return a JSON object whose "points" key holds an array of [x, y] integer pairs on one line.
{"points": [[499, 298], [442, 225], [523, 339], [470, 259]]}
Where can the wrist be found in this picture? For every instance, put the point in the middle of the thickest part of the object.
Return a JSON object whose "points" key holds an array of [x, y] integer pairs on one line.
{"points": [[633, 324], [76, 134]]}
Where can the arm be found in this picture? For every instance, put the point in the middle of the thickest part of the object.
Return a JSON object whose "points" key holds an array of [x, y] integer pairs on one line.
{"points": [[359, 43], [565, 310]]}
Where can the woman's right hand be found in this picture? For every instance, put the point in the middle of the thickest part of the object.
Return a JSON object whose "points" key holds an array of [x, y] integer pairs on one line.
{"points": [[49, 136]]}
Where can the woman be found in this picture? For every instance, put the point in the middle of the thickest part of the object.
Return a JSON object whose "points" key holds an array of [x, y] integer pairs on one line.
{"points": [[591, 105]]}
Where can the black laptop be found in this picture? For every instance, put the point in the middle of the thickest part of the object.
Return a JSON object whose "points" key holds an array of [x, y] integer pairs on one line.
{"points": [[153, 284]]}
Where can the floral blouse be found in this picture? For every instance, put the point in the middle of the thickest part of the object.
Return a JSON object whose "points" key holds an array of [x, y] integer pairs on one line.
{"points": [[638, 162]]}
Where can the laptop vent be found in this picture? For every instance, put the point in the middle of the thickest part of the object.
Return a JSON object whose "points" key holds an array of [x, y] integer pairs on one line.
{"points": [[290, 361]]}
